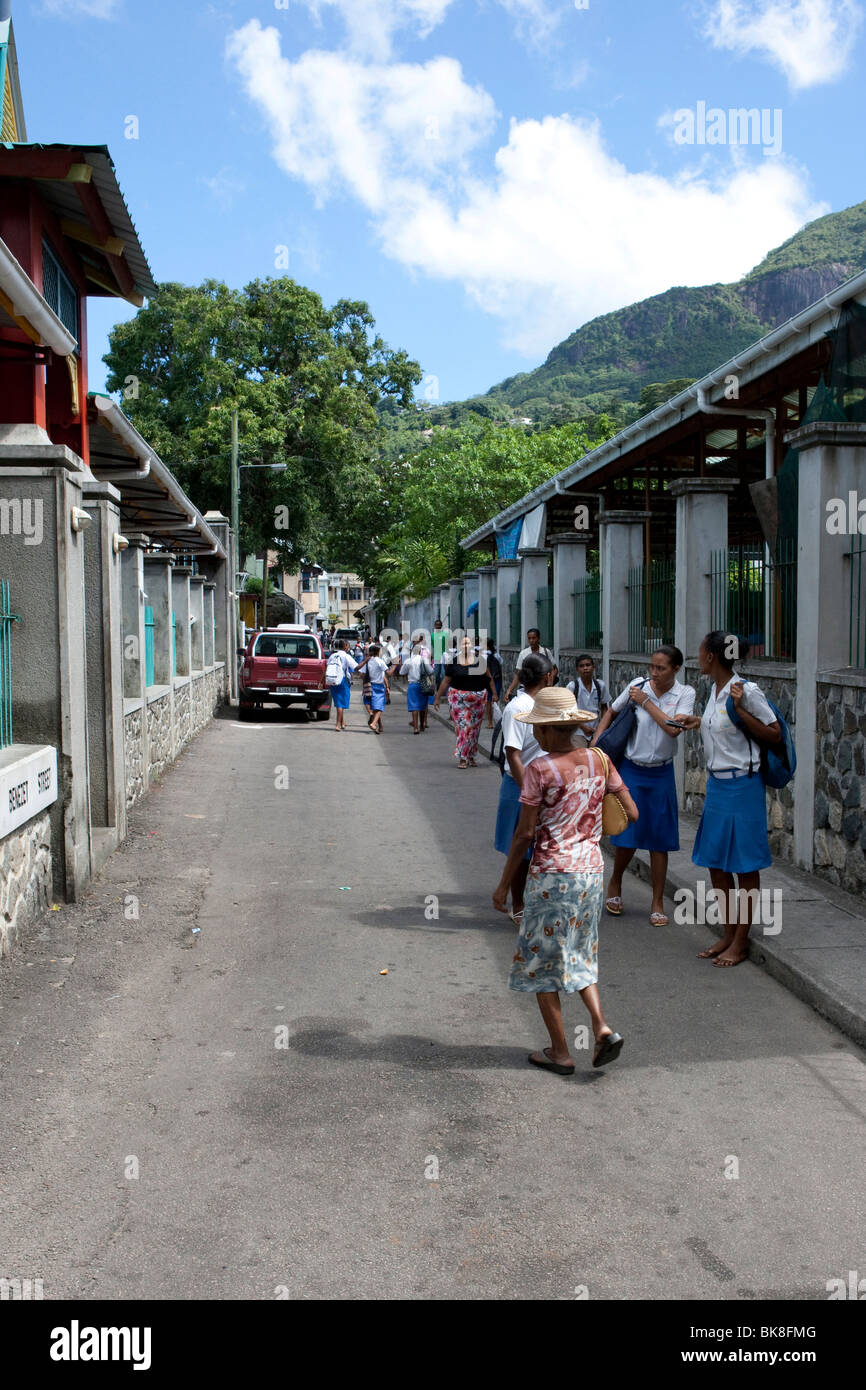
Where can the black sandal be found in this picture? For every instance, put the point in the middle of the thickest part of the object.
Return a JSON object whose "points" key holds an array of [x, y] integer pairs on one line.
{"points": [[607, 1049], [550, 1065]]}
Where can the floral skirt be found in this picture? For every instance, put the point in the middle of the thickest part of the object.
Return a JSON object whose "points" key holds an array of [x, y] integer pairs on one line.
{"points": [[467, 712], [557, 945]]}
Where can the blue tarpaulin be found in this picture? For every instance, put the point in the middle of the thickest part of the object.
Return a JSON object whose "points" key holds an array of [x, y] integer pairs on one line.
{"points": [[507, 541]]}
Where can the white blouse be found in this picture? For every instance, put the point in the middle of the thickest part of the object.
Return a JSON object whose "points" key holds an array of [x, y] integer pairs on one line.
{"points": [[726, 747], [649, 743]]}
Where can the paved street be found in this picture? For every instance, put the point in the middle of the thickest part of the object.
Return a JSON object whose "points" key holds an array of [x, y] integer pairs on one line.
{"points": [[260, 1167]]}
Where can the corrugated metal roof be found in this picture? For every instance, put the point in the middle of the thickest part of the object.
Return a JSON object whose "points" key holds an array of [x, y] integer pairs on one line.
{"points": [[64, 202]]}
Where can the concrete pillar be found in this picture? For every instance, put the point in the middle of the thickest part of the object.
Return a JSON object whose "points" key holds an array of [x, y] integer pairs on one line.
{"points": [[105, 742], [569, 565], [209, 635], [133, 603], [455, 592], [507, 580], [702, 527], [196, 626], [43, 559], [182, 611], [228, 636], [157, 586], [440, 603], [533, 576], [486, 592], [831, 470], [470, 596], [621, 544]]}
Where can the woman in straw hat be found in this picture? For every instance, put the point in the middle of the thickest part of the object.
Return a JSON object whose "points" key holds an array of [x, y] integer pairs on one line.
{"points": [[557, 944]]}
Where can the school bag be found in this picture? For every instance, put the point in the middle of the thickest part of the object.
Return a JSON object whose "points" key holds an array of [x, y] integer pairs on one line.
{"points": [[777, 762], [614, 740], [334, 671]]}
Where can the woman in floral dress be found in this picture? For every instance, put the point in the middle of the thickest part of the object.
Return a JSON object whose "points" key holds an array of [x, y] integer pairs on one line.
{"points": [[557, 945], [467, 681]]}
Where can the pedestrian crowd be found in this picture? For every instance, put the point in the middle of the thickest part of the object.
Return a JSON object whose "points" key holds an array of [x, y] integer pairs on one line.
{"points": [[578, 764]]}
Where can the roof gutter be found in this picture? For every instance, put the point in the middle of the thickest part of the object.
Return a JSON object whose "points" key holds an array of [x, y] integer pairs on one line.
{"points": [[29, 305]]}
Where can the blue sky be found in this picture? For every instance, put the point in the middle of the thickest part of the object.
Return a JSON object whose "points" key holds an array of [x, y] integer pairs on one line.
{"points": [[487, 174]]}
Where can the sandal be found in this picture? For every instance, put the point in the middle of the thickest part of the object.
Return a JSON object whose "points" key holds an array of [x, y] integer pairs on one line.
{"points": [[550, 1065], [658, 919], [607, 1049], [517, 918], [614, 906]]}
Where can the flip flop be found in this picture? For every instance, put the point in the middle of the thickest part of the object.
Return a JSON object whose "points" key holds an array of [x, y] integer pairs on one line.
{"points": [[615, 911], [517, 918], [608, 1049], [551, 1066], [658, 919]]}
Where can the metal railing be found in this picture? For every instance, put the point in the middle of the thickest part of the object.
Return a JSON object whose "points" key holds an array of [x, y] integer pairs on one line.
{"points": [[514, 618], [544, 608], [149, 668], [651, 605], [7, 618], [586, 597], [856, 607], [753, 595]]}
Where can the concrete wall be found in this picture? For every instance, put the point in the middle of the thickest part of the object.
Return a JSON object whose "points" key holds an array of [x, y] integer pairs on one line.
{"points": [[25, 878]]}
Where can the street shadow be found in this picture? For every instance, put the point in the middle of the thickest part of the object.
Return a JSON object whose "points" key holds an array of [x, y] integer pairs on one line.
{"points": [[412, 1050], [270, 714], [457, 912]]}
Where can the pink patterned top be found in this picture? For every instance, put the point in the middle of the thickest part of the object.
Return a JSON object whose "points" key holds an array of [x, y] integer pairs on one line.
{"points": [[569, 817]]}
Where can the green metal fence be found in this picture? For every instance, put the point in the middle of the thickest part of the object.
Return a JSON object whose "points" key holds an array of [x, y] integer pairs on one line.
{"points": [[544, 607], [856, 609], [491, 621], [514, 618], [7, 618], [753, 595], [586, 596], [651, 599], [149, 625]]}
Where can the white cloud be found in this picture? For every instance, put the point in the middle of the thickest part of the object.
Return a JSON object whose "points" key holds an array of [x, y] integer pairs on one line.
{"points": [[371, 24], [557, 232], [810, 40], [90, 9]]}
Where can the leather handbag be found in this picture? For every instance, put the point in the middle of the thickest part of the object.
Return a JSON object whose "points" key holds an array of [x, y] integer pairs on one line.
{"points": [[613, 817]]}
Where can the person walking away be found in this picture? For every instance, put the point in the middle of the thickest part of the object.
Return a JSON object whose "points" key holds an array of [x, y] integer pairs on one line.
{"points": [[415, 668], [494, 666], [561, 811], [467, 688], [521, 748], [590, 692], [341, 694], [534, 648], [732, 834], [377, 669], [648, 772]]}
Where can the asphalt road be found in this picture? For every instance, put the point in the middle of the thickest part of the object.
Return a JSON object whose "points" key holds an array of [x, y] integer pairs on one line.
{"points": [[286, 1106]]}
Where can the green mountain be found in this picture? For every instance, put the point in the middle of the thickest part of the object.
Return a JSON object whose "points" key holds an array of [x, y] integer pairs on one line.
{"points": [[623, 362]]}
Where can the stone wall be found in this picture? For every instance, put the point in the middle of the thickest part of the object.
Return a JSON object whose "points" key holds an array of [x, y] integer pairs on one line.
{"points": [[25, 878], [133, 752], [840, 785], [182, 716], [159, 736]]}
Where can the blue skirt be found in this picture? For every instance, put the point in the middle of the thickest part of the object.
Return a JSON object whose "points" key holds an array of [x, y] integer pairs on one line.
{"points": [[507, 816], [377, 694], [414, 699], [732, 835], [654, 792], [340, 694]]}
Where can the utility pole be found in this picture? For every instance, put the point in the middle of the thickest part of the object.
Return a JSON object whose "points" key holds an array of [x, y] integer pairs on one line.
{"points": [[235, 484]]}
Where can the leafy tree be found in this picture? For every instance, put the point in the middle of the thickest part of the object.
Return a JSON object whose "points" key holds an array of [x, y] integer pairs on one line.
{"points": [[305, 381]]}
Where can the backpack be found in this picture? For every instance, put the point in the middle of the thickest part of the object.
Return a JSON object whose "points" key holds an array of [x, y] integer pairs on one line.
{"points": [[777, 762], [614, 740], [334, 671]]}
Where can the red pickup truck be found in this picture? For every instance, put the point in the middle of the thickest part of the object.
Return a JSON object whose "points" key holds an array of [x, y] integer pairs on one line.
{"points": [[283, 666]]}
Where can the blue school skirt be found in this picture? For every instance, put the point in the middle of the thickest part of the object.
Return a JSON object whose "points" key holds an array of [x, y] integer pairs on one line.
{"points": [[654, 792], [341, 694], [377, 694], [507, 816], [414, 699], [732, 835]]}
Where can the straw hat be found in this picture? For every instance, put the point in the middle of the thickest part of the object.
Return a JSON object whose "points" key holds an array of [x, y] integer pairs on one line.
{"points": [[556, 705]]}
